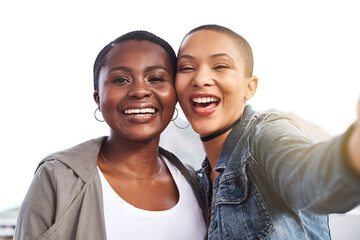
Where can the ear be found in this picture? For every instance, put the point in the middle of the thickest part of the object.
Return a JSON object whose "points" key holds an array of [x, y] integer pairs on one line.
{"points": [[251, 87], [97, 97]]}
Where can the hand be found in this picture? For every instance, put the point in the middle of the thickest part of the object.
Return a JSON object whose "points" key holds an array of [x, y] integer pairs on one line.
{"points": [[354, 143], [358, 120]]}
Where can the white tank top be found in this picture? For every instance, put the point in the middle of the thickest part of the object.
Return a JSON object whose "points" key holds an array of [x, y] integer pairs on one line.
{"points": [[184, 221]]}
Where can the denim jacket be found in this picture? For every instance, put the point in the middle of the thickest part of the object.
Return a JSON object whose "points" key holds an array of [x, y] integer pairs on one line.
{"points": [[274, 183]]}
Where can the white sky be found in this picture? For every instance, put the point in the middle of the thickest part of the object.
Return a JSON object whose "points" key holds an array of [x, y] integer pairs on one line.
{"points": [[307, 58]]}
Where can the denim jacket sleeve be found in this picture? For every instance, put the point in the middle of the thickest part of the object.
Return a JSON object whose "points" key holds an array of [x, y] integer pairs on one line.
{"points": [[309, 176]]}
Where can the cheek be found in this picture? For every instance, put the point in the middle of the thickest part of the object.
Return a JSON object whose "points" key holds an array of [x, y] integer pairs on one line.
{"points": [[109, 97], [109, 102], [180, 85], [167, 96], [168, 102], [182, 97], [233, 88]]}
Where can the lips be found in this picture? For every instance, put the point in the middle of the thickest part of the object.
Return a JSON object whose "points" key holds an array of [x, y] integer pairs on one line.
{"points": [[204, 104]]}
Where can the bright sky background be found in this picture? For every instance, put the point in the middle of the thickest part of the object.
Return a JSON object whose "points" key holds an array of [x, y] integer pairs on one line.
{"points": [[307, 59]]}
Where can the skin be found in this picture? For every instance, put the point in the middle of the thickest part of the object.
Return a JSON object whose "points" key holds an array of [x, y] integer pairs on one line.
{"points": [[137, 75], [211, 65], [354, 143]]}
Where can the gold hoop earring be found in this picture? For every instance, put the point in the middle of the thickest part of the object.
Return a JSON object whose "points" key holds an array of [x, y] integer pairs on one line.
{"points": [[173, 120], [98, 109]]}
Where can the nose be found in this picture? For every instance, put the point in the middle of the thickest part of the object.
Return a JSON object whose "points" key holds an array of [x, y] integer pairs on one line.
{"points": [[139, 89], [202, 78]]}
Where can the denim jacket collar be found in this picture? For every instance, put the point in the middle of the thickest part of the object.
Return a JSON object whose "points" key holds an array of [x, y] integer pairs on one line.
{"points": [[235, 134]]}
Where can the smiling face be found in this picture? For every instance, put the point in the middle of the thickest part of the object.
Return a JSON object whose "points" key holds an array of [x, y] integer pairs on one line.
{"points": [[136, 94], [210, 82]]}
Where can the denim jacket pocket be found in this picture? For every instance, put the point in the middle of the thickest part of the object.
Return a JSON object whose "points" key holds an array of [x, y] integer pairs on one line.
{"points": [[232, 188], [240, 208]]}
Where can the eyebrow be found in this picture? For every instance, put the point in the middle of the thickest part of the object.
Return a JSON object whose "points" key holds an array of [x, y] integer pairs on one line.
{"points": [[128, 70], [222, 55], [152, 68], [187, 56], [125, 69]]}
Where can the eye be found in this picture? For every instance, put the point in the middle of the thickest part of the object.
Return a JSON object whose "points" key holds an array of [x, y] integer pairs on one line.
{"points": [[219, 67], [121, 80], [186, 69], [156, 79]]}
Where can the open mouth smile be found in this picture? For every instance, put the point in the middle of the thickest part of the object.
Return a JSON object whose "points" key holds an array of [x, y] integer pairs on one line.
{"points": [[204, 105], [204, 101], [139, 111], [140, 114]]}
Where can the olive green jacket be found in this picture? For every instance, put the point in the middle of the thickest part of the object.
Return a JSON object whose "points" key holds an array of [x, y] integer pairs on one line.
{"points": [[65, 201]]}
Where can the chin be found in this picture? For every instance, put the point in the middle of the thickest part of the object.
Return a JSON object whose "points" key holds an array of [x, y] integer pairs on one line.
{"points": [[203, 125], [143, 137], [202, 129], [142, 134]]}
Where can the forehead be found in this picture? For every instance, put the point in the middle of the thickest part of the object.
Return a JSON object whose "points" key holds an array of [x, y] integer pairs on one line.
{"points": [[137, 53], [207, 43]]}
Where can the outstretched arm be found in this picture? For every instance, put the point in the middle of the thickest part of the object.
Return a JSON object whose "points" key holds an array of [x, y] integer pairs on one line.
{"points": [[319, 177], [354, 143]]}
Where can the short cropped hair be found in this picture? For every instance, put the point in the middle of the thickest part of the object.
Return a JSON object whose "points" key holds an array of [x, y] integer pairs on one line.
{"points": [[137, 36], [244, 46]]}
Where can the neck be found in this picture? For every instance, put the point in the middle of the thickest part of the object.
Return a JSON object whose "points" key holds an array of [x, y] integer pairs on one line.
{"points": [[214, 143], [213, 148], [217, 134], [139, 156]]}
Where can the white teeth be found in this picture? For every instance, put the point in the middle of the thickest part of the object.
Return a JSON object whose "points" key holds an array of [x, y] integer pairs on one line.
{"points": [[205, 100], [142, 110]]}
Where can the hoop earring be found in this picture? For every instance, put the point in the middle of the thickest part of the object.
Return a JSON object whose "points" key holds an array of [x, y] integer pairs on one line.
{"points": [[173, 120], [98, 109], [177, 113]]}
